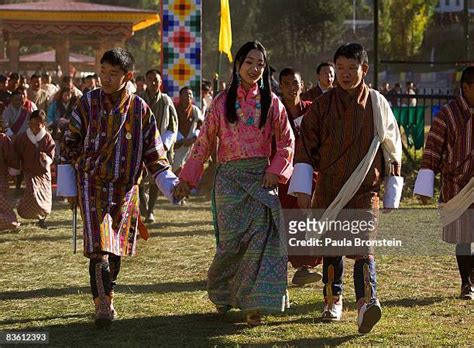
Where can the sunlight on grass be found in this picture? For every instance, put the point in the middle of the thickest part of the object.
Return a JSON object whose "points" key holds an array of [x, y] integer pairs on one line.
{"points": [[162, 299]]}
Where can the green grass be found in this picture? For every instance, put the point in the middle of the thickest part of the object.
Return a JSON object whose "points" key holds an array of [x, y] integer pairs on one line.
{"points": [[162, 300]]}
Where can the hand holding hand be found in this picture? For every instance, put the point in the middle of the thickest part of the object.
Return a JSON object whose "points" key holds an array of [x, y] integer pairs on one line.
{"points": [[270, 180], [182, 190]]}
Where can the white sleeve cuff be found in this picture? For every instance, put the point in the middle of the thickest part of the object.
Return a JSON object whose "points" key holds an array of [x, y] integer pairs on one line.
{"points": [[9, 133], [13, 171], [166, 182], [302, 179], [168, 139], [196, 133], [424, 184], [67, 186], [48, 161], [393, 192]]}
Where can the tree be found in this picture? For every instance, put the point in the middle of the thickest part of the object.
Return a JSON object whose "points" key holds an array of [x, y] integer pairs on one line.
{"points": [[402, 26], [299, 33]]}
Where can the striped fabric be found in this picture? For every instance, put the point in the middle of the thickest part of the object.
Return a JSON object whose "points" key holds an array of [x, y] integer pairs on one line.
{"points": [[249, 270], [7, 159], [449, 151], [336, 134], [109, 151]]}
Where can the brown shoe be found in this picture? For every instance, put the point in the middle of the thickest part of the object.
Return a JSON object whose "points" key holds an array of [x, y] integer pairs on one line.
{"points": [[253, 318], [103, 312], [304, 276]]}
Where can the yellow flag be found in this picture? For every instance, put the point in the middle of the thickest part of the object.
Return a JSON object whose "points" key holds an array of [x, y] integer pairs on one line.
{"points": [[225, 34]]}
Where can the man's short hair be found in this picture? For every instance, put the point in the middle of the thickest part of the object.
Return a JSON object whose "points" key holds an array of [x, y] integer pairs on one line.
{"points": [[119, 57], [289, 71], [35, 76], [152, 71], [14, 76], [322, 65], [185, 88], [467, 75], [352, 51], [39, 114]]}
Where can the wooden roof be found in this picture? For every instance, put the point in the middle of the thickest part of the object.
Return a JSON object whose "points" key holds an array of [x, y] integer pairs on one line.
{"points": [[61, 11]]}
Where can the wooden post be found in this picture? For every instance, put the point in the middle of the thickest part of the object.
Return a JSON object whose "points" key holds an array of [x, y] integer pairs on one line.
{"points": [[14, 54], [2, 46], [62, 56]]}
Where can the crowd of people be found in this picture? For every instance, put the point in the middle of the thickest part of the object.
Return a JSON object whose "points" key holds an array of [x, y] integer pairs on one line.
{"points": [[330, 147]]}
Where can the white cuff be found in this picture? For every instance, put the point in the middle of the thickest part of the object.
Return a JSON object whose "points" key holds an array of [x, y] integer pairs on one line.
{"points": [[14, 172], [196, 132], [166, 181], [9, 133], [393, 192], [67, 186], [424, 184], [168, 139], [48, 161], [302, 179]]}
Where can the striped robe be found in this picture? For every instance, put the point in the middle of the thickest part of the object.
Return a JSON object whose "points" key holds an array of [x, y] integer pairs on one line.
{"points": [[109, 151], [336, 134], [37, 199], [449, 150], [8, 159]]}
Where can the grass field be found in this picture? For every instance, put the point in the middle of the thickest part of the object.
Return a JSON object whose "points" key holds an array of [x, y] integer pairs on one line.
{"points": [[162, 301]]}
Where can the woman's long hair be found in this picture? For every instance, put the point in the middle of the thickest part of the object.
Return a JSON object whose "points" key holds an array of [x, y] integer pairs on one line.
{"points": [[265, 92]]}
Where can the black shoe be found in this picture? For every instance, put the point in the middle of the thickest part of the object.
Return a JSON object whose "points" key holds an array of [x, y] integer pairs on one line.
{"points": [[42, 224], [467, 292]]}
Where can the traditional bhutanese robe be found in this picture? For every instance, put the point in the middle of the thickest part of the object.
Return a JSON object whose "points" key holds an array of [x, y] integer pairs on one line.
{"points": [[40, 98], [249, 270], [187, 129], [36, 153], [109, 151], [449, 151], [290, 201], [336, 134], [312, 93], [16, 120], [166, 119], [287, 201], [8, 159]]}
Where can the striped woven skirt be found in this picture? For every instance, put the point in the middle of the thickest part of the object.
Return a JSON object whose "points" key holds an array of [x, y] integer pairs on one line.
{"points": [[249, 269], [110, 215]]}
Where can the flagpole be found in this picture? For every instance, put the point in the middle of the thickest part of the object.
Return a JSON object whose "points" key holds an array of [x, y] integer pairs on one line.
{"points": [[218, 73]]}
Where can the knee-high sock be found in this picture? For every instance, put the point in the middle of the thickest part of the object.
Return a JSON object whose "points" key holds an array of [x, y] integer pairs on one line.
{"points": [[100, 277], [338, 264], [360, 282], [465, 259]]}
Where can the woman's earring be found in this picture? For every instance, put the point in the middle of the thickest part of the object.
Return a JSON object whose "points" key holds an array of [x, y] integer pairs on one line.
{"points": [[262, 85], [239, 79]]}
